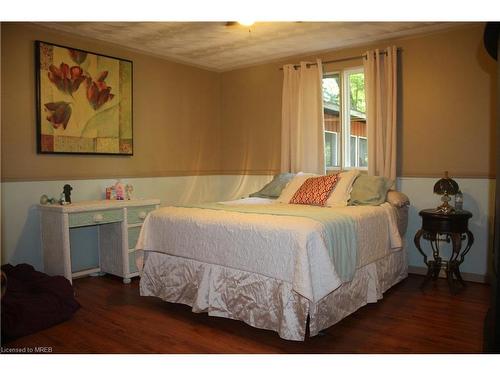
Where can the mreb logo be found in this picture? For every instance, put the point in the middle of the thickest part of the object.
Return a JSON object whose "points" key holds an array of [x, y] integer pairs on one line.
{"points": [[43, 349]]}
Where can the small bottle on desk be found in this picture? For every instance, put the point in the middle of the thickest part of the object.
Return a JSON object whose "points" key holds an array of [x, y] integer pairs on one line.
{"points": [[120, 190]]}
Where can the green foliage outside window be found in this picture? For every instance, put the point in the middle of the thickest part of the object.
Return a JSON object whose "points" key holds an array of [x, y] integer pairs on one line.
{"points": [[357, 92], [331, 89]]}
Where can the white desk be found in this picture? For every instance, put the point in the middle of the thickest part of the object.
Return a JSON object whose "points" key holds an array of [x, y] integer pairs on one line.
{"points": [[118, 222]]}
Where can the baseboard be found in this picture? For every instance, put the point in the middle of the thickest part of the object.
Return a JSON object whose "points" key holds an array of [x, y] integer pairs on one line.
{"points": [[473, 277]]}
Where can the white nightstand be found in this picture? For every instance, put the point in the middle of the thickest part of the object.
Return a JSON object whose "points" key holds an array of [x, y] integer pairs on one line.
{"points": [[118, 222]]}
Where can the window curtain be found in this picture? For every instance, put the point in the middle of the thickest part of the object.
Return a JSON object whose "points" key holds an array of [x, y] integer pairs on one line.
{"points": [[302, 127], [380, 68]]}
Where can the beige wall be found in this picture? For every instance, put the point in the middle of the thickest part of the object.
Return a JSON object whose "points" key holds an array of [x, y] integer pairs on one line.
{"points": [[176, 115], [189, 121], [251, 120], [447, 107]]}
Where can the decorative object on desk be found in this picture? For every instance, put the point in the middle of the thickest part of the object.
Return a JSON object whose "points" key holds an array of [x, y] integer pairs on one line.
{"points": [[129, 191], [44, 200], [62, 200], [445, 187], [84, 102], [67, 193], [459, 201], [120, 190], [109, 192], [112, 191]]}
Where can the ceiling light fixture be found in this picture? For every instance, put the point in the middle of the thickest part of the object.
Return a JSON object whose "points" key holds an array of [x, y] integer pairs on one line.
{"points": [[246, 22]]}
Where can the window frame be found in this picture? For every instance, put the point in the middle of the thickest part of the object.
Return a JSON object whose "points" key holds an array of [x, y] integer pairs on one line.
{"points": [[337, 136], [345, 121], [356, 150], [365, 138], [340, 144]]}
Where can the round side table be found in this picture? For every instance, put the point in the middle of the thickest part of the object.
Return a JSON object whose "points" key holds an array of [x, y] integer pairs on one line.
{"points": [[438, 227]]}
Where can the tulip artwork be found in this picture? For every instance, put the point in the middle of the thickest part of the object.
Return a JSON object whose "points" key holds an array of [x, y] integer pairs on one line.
{"points": [[77, 56], [98, 92], [65, 78], [84, 102], [60, 114]]}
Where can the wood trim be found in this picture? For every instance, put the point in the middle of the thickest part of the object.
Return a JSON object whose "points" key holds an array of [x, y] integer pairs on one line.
{"points": [[166, 173], [213, 172], [473, 277], [251, 172], [470, 175]]}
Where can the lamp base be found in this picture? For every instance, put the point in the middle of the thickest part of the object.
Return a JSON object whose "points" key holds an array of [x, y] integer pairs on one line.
{"points": [[445, 207]]}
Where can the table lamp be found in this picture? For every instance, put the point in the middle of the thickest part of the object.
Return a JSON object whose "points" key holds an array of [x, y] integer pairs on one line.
{"points": [[445, 187]]}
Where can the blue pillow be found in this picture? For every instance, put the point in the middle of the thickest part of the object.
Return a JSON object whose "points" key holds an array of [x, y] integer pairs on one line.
{"points": [[369, 190], [273, 189]]}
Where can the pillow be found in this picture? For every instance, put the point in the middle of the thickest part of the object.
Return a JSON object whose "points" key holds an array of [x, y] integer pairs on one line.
{"points": [[273, 189], [342, 192], [315, 190], [397, 198], [294, 185], [369, 190]]}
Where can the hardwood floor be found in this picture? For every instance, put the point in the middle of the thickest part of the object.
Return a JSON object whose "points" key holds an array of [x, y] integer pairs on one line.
{"points": [[115, 319]]}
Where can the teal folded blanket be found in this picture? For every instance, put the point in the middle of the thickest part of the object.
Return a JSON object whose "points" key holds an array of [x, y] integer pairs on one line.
{"points": [[340, 229]]}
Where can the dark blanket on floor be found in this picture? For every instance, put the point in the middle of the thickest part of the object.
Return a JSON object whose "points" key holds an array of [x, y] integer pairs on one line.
{"points": [[34, 301]]}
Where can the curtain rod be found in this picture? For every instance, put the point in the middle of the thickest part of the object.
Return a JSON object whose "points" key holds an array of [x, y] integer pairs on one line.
{"points": [[363, 56]]}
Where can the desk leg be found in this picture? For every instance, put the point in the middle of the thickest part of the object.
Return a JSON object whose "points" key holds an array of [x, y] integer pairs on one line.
{"points": [[55, 244]]}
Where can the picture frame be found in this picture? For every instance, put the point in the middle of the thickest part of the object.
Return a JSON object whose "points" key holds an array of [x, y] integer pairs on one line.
{"points": [[84, 101]]}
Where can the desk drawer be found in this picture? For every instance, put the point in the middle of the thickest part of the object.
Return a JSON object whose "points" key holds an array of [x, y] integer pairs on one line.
{"points": [[133, 235], [95, 217], [138, 214]]}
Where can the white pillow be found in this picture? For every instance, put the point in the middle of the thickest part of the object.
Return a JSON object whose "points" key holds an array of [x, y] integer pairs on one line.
{"points": [[342, 192], [294, 185]]}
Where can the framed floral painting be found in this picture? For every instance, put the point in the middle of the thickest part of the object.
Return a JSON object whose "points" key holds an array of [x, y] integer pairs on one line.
{"points": [[84, 102]]}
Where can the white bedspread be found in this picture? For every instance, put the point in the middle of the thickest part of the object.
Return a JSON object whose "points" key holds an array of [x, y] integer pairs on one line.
{"points": [[286, 248]]}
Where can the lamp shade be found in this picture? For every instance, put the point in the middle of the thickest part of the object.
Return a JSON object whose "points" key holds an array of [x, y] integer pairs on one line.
{"points": [[446, 186]]}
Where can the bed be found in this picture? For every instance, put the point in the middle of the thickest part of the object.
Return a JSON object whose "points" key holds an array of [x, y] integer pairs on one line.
{"points": [[272, 265]]}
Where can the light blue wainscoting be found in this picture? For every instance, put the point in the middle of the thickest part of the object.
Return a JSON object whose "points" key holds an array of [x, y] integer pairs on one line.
{"points": [[20, 217], [20, 222]]}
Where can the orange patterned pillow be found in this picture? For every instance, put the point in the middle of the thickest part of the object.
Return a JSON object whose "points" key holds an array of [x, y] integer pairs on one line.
{"points": [[315, 190]]}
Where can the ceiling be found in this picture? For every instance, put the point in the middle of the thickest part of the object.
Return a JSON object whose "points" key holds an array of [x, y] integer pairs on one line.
{"points": [[218, 47]]}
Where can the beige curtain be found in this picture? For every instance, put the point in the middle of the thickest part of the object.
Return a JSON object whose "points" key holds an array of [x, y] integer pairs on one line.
{"points": [[381, 111], [302, 128]]}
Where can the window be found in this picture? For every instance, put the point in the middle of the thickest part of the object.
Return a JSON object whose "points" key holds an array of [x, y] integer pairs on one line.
{"points": [[353, 145], [363, 152], [344, 107], [331, 109], [331, 149]]}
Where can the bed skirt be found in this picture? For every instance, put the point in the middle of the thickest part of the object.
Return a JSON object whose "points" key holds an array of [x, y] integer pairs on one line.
{"points": [[262, 301]]}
